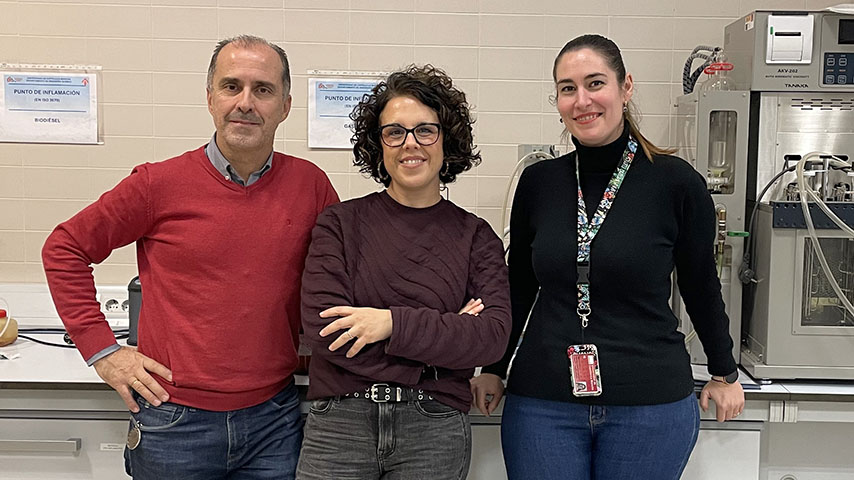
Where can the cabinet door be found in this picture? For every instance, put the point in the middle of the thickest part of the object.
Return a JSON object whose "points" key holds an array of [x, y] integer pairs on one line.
{"points": [[724, 455], [67, 449]]}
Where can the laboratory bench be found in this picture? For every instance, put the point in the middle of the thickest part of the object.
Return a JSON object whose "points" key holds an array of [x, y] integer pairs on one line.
{"points": [[59, 420]]}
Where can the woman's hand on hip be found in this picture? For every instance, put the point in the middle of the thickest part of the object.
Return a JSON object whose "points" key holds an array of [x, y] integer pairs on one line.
{"points": [[728, 398], [487, 390], [362, 325]]}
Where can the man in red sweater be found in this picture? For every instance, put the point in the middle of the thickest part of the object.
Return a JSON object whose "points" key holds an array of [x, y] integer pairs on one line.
{"points": [[221, 233]]}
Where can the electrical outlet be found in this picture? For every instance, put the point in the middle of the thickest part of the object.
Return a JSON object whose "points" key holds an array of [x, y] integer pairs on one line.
{"points": [[113, 299], [524, 149]]}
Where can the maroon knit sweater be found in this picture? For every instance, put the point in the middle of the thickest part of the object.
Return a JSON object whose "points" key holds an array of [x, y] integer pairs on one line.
{"points": [[422, 263], [220, 266]]}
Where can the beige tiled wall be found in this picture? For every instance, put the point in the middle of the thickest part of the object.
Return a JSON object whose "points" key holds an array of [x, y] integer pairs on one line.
{"points": [[154, 54]]}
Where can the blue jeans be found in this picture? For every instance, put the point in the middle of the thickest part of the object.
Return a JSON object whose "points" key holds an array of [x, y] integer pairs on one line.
{"points": [[356, 439], [545, 439], [260, 442]]}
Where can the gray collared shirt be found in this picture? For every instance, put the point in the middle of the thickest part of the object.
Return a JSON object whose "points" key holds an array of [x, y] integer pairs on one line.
{"points": [[224, 167]]}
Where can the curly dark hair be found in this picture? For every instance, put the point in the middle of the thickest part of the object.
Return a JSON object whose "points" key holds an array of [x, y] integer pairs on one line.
{"points": [[432, 87]]}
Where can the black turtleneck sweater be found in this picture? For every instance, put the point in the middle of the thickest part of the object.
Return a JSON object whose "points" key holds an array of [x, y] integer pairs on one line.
{"points": [[662, 218]]}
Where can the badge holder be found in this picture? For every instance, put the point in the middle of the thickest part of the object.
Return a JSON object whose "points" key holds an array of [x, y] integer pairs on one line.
{"points": [[584, 370]]}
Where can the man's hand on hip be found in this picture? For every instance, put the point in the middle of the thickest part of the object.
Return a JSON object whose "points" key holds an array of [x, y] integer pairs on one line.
{"points": [[127, 369]]}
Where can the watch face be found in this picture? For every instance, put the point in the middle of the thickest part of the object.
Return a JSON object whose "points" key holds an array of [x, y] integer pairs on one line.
{"points": [[732, 377]]}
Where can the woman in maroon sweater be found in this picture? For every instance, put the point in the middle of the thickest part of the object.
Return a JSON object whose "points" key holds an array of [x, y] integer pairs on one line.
{"points": [[403, 295]]}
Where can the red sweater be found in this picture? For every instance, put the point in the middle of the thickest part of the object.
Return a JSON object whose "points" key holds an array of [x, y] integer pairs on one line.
{"points": [[220, 266]]}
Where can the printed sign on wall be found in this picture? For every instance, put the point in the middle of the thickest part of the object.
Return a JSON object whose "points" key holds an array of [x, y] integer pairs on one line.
{"points": [[330, 102], [48, 107]]}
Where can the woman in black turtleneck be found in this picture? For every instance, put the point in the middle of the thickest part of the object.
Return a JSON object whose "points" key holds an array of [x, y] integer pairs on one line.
{"points": [[644, 422]]}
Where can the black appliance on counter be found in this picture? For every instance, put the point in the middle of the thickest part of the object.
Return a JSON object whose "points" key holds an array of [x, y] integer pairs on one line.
{"points": [[135, 302]]}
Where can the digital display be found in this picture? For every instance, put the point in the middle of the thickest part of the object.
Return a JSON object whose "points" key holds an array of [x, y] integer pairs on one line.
{"points": [[846, 31]]}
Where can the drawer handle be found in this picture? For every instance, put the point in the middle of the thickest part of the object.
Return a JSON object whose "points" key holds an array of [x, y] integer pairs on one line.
{"points": [[72, 445]]}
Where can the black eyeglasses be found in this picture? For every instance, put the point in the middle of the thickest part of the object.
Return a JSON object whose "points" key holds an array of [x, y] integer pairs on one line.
{"points": [[394, 135]]}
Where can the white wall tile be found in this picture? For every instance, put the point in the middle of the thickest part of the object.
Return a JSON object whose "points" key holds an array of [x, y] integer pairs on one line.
{"points": [[690, 32], [184, 23], [126, 87], [8, 18], [511, 31], [512, 128], [11, 214], [119, 54], [46, 183], [561, 29], [12, 246], [452, 6], [649, 8], [648, 65], [165, 148], [118, 21], [316, 56], [47, 155], [122, 152], [497, 160], [61, 50], [315, 5], [509, 96], [653, 98], [10, 154], [317, 26], [262, 22], [510, 63], [384, 28], [44, 215], [48, 19], [380, 58], [182, 55], [720, 8], [182, 121], [104, 179], [128, 120], [446, 29], [330, 160], [643, 33], [510, 6], [252, 3], [12, 182], [33, 243], [458, 62], [490, 191], [182, 3], [9, 47], [387, 5], [180, 88]]}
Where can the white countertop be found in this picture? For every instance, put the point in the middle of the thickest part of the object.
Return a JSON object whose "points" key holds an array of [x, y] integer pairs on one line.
{"points": [[39, 364]]}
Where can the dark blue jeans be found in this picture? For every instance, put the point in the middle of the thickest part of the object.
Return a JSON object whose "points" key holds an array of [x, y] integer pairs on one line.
{"points": [[546, 440], [260, 442], [356, 439]]}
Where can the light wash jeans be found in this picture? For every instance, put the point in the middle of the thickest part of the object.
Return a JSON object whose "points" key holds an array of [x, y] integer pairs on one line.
{"points": [[260, 442], [357, 439], [547, 440]]}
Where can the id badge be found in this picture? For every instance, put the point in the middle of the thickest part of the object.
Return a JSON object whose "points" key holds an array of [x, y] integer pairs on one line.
{"points": [[584, 370]]}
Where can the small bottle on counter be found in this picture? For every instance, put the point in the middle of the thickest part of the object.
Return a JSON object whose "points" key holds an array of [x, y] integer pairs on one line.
{"points": [[8, 329]]}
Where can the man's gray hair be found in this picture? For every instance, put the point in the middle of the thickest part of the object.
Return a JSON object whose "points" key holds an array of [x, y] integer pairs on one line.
{"points": [[250, 41]]}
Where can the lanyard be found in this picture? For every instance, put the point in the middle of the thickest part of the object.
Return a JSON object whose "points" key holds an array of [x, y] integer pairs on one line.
{"points": [[588, 230]]}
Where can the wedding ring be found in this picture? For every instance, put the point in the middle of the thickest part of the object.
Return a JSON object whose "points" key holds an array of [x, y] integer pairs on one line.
{"points": [[349, 335], [132, 385]]}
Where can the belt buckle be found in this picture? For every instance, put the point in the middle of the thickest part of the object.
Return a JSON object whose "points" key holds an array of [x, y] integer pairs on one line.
{"points": [[383, 392]]}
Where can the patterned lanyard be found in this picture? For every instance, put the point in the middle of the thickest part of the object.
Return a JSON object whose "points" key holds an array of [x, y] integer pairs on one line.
{"points": [[588, 230]]}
